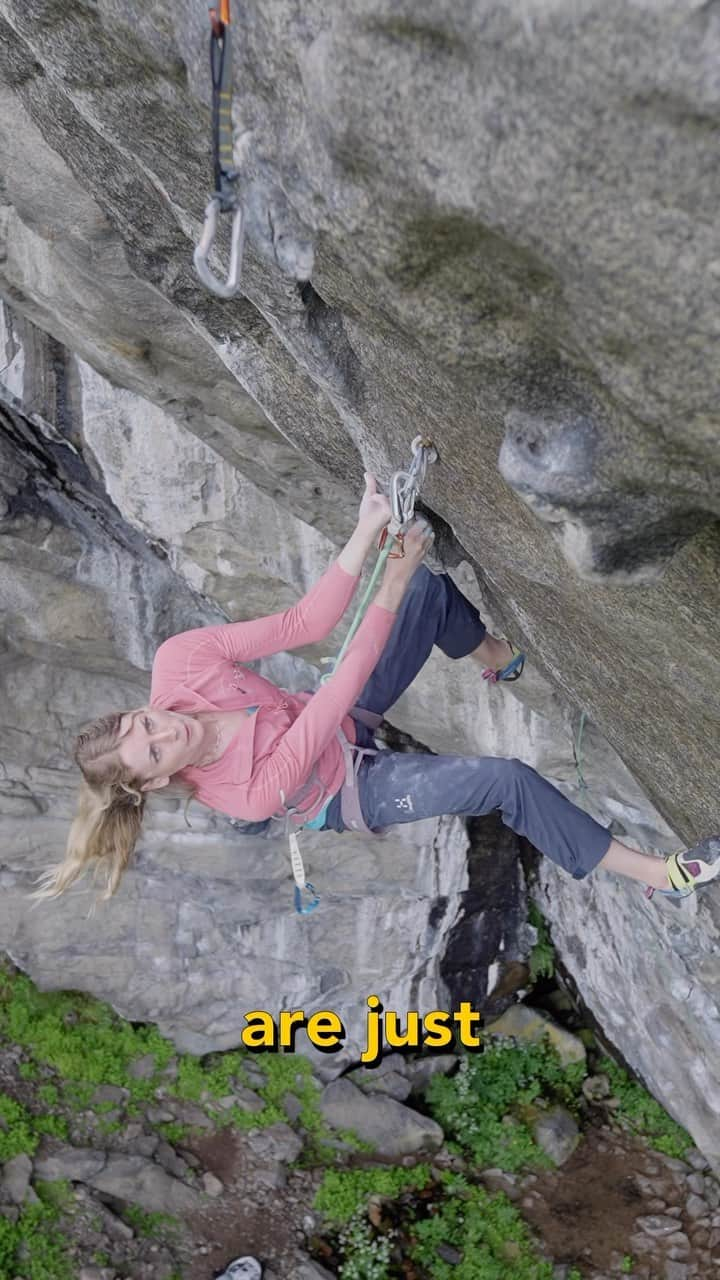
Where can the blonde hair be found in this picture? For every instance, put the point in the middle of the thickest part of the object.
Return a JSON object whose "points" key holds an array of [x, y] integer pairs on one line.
{"points": [[109, 815]]}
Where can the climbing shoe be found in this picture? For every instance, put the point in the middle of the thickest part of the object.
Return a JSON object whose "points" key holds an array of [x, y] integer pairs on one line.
{"points": [[690, 868], [242, 1269], [511, 671]]}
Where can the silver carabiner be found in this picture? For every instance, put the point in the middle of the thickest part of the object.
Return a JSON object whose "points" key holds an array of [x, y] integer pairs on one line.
{"points": [[229, 287], [405, 486]]}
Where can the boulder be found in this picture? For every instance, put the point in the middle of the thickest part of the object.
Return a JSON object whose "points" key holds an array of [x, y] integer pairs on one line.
{"points": [[393, 1129]]}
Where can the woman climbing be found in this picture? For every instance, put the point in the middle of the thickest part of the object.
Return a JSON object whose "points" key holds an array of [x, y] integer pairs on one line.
{"points": [[237, 743]]}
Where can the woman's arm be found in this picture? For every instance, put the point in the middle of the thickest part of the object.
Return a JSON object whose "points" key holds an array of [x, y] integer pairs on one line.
{"points": [[308, 621], [290, 763]]}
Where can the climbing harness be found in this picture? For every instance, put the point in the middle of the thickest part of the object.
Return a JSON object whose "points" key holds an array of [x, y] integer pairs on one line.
{"points": [[404, 490], [226, 197]]}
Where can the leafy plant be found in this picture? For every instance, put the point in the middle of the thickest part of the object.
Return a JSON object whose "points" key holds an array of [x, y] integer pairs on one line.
{"points": [[542, 956], [16, 1129], [642, 1114], [487, 1106], [31, 1248], [366, 1255], [149, 1224], [342, 1193], [487, 1230]]}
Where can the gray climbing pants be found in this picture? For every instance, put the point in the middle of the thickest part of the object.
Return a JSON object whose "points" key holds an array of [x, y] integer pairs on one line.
{"points": [[398, 787]]}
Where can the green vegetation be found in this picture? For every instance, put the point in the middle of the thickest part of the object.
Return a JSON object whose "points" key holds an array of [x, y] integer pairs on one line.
{"points": [[491, 1239], [56, 1195], [486, 1229], [32, 1248], [344, 1192], [640, 1113], [367, 1255], [153, 1225], [542, 956], [627, 1264], [16, 1129], [74, 1043], [488, 1107], [87, 1044]]}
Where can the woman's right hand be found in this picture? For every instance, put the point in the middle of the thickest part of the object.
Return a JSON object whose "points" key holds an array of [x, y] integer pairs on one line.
{"points": [[417, 542]]}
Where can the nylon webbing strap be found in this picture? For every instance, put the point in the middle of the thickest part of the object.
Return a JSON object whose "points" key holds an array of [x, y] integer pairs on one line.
{"points": [[222, 82]]}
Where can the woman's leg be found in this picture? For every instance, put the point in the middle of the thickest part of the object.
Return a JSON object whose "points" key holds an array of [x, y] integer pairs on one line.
{"points": [[644, 867], [433, 612], [405, 787], [400, 787]]}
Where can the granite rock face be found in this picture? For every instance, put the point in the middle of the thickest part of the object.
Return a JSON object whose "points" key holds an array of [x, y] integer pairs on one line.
{"points": [[495, 224]]}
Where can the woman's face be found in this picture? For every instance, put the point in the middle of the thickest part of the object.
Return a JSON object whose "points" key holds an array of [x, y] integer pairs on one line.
{"points": [[155, 744]]}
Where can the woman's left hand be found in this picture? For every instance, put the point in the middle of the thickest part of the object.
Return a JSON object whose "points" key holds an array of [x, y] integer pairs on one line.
{"points": [[375, 510]]}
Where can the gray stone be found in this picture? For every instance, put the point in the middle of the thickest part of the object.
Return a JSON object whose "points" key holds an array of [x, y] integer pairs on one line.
{"points": [[132, 1178], [675, 1270], [657, 1225], [143, 1068], [696, 1207], [292, 1107], [247, 1099], [499, 1180], [557, 1134], [159, 1115], [532, 1026], [276, 1143], [421, 1070], [391, 1083], [167, 1156], [394, 1129], [712, 1193], [112, 1225], [212, 1185], [304, 1268], [110, 1093], [696, 1183], [15, 1179], [449, 1254], [77, 1164], [697, 1160]]}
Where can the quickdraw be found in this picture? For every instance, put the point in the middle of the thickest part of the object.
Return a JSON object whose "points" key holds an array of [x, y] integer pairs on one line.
{"points": [[226, 197], [404, 492]]}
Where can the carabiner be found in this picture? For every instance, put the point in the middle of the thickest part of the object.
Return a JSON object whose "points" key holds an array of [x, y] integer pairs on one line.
{"points": [[405, 485], [229, 287]]}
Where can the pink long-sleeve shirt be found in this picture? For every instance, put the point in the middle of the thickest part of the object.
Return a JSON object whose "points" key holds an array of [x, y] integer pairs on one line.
{"points": [[273, 753]]}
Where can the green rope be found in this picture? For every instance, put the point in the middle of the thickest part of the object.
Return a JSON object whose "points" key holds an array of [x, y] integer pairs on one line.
{"points": [[361, 609]]}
